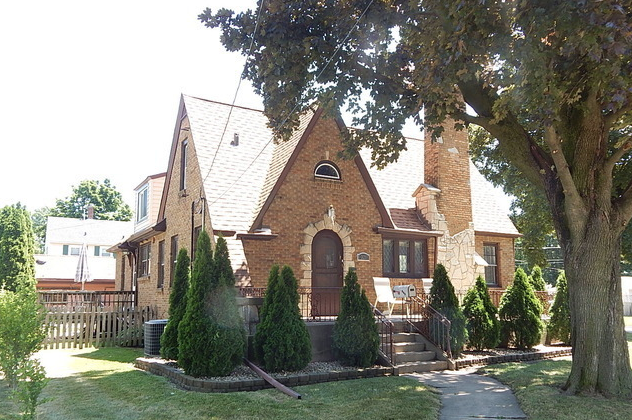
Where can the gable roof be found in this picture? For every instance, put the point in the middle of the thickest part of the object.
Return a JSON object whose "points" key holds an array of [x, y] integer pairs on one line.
{"points": [[239, 193]]}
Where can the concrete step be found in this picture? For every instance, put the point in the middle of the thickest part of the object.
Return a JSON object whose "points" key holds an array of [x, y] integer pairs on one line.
{"points": [[417, 367], [415, 356], [408, 346], [407, 337]]}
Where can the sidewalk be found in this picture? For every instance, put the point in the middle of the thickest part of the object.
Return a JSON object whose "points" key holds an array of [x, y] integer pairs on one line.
{"points": [[465, 395]]}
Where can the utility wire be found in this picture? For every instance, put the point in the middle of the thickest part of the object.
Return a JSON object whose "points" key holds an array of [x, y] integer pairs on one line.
{"points": [[241, 78], [295, 106]]}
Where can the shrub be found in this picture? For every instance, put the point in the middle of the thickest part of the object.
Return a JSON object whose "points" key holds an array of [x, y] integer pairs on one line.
{"points": [[262, 333], [282, 335], [443, 299], [481, 316], [536, 279], [17, 246], [195, 329], [560, 323], [177, 306], [228, 345], [520, 312], [355, 336], [31, 382], [21, 330]]}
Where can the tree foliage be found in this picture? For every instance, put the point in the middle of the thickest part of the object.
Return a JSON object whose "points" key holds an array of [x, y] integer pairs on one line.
{"points": [[536, 279], [560, 323], [443, 299], [481, 316], [39, 220], [177, 306], [107, 202], [282, 340], [549, 80], [355, 337], [21, 331], [17, 265], [520, 312]]}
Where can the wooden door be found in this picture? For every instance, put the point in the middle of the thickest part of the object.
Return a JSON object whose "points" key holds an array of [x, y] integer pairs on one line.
{"points": [[326, 273]]}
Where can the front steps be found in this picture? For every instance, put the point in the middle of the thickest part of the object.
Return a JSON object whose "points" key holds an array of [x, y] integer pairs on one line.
{"points": [[412, 353]]}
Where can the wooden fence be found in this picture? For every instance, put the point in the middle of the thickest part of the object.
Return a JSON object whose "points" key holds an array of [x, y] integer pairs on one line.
{"points": [[96, 326], [72, 300]]}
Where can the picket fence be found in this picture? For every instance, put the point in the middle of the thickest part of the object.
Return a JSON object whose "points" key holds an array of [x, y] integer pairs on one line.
{"points": [[96, 327]]}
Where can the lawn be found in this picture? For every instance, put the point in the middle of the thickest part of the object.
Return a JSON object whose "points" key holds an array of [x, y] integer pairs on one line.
{"points": [[538, 389], [102, 384]]}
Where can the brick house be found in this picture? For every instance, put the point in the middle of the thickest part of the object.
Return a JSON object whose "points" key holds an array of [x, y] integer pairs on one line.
{"points": [[297, 203]]}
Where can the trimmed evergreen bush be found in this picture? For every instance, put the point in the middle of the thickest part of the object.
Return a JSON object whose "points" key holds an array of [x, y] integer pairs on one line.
{"points": [[444, 300], [228, 346], [536, 279], [560, 324], [520, 312], [177, 306], [196, 330], [282, 335], [355, 337], [17, 246], [264, 321], [482, 322]]}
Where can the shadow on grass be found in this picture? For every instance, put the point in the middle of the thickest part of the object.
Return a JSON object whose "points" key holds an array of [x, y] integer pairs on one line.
{"points": [[113, 354]]}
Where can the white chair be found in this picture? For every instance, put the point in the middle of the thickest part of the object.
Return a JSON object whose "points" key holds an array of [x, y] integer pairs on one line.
{"points": [[384, 294]]}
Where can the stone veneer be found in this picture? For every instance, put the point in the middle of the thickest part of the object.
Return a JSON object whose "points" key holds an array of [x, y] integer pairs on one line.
{"points": [[328, 222]]}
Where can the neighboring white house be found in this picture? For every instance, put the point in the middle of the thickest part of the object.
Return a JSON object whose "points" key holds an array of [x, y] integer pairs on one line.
{"points": [[626, 287], [55, 269]]}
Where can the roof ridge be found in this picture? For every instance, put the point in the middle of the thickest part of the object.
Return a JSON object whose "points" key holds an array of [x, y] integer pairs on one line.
{"points": [[223, 103]]}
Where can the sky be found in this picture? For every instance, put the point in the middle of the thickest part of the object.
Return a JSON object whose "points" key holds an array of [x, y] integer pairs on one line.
{"points": [[90, 90]]}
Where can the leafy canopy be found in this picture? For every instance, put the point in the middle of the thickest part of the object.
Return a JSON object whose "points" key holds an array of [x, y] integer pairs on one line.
{"points": [[107, 202]]}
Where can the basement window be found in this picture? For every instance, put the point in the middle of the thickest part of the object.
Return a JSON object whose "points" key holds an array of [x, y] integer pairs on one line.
{"points": [[327, 170]]}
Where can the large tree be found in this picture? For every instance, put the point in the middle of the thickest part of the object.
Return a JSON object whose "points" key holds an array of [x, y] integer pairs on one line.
{"points": [[548, 79], [107, 202], [17, 265]]}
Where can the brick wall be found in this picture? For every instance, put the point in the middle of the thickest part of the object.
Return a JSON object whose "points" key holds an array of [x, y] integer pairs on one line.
{"points": [[446, 166], [302, 200], [506, 263]]}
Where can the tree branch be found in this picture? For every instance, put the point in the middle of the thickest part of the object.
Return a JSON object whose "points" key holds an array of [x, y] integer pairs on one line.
{"points": [[611, 119], [574, 203], [617, 155]]}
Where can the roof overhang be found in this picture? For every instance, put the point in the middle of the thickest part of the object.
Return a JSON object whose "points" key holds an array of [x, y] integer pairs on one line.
{"points": [[500, 234], [408, 233]]}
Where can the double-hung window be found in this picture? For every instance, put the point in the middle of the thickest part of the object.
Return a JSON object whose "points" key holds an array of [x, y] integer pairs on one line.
{"points": [[144, 254], [161, 264], [405, 257], [143, 204], [490, 255]]}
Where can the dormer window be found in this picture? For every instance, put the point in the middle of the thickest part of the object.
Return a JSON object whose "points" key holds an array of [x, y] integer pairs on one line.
{"points": [[327, 170]]}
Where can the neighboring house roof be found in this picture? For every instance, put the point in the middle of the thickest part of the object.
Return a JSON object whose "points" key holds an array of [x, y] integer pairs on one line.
{"points": [[63, 267], [65, 230]]}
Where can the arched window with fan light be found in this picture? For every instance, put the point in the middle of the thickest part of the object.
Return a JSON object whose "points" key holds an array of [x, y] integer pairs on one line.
{"points": [[327, 170]]}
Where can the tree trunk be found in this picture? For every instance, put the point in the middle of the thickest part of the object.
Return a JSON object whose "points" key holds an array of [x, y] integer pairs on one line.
{"points": [[601, 363]]}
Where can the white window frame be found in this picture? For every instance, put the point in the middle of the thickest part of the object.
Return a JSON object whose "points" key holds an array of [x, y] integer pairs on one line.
{"points": [[142, 207], [328, 164]]}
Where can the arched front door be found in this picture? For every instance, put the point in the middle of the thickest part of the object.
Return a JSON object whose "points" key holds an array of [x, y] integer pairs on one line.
{"points": [[326, 273]]}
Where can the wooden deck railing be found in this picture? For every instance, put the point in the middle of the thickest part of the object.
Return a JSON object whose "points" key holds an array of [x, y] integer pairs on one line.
{"points": [[74, 300]]}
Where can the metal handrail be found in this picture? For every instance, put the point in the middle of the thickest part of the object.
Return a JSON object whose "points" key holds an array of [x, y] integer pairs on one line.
{"points": [[385, 330], [430, 323]]}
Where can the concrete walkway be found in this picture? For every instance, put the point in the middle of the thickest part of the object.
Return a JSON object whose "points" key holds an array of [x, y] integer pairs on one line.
{"points": [[466, 395]]}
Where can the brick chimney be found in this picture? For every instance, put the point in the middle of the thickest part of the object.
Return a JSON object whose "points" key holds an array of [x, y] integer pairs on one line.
{"points": [[90, 211], [447, 167]]}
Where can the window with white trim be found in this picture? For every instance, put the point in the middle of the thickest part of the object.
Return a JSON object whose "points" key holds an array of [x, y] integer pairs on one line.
{"points": [[142, 209], [490, 255], [144, 254], [327, 170]]}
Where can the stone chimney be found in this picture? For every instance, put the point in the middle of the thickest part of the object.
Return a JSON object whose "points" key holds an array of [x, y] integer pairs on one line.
{"points": [[447, 167]]}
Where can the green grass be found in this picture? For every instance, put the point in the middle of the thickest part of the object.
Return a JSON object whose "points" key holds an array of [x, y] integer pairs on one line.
{"points": [[102, 384], [538, 389]]}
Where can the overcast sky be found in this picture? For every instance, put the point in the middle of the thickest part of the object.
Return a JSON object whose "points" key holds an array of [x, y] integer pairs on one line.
{"points": [[90, 90]]}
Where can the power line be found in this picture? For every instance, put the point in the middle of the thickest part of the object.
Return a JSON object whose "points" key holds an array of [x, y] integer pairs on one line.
{"points": [[355, 25], [241, 78]]}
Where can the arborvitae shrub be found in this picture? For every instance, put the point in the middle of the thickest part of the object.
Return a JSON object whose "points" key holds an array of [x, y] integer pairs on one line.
{"points": [[282, 337], [228, 344], [265, 322], [443, 299], [536, 279], [17, 246], [520, 312], [355, 337], [196, 329], [560, 324], [482, 322], [177, 307]]}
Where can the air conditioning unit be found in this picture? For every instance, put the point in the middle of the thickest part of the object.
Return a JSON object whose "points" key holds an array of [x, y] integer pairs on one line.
{"points": [[153, 331]]}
